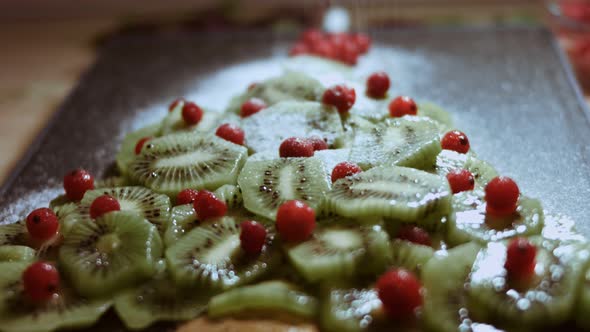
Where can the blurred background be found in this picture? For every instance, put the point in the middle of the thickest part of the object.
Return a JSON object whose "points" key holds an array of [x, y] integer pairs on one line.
{"points": [[47, 45]]}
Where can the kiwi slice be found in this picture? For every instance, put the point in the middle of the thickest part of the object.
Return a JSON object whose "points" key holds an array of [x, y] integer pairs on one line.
{"points": [[408, 141], [448, 161], [110, 253], [126, 152], [341, 249], [267, 184], [549, 300], [172, 163], [14, 253], [326, 71], [271, 299], [210, 257], [330, 158], [437, 114], [561, 228], [583, 303], [152, 206], [410, 256], [183, 219], [66, 311], [110, 182], [291, 119], [405, 194], [14, 234], [173, 122], [469, 221], [231, 195], [345, 309]]}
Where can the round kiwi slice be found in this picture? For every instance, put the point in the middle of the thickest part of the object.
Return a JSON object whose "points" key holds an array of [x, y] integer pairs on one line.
{"points": [[349, 309], [126, 152], [549, 300], [172, 163], [65, 311], [437, 114], [152, 206], [173, 122], [12, 253], [470, 222], [210, 257], [448, 161], [267, 184], [270, 299], [341, 249], [110, 253], [14, 234], [231, 195], [405, 194], [410, 256], [408, 141], [183, 219]]}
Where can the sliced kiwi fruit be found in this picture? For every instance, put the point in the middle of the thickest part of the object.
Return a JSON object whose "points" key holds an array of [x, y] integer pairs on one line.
{"points": [[111, 253], [331, 158], [15, 253], [405, 194], [550, 297], [110, 182], [231, 195], [65, 311], [56, 203], [267, 184], [152, 206], [126, 152], [437, 114], [270, 299], [173, 122], [326, 71], [341, 250], [582, 307], [210, 257], [172, 163], [14, 234], [408, 141], [410, 256], [183, 219], [349, 309], [291, 119], [470, 222], [448, 161], [561, 228]]}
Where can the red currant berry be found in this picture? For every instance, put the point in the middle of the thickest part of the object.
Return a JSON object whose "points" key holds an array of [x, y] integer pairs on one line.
{"points": [[401, 106], [455, 141], [140, 144], [42, 224], [312, 36], [252, 237], [191, 113], [400, 292], [76, 183], [296, 147], [40, 281], [186, 196], [318, 143], [299, 49], [501, 195], [344, 169], [339, 96], [231, 132], [346, 52], [324, 49], [378, 84], [520, 258], [103, 204], [175, 103], [362, 41], [208, 206], [460, 180], [295, 221], [414, 234], [252, 106]]}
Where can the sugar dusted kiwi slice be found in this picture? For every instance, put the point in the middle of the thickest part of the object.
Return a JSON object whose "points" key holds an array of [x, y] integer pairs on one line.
{"points": [[437, 114], [470, 222], [349, 309], [152, 206], [330, 158], [66, 311], [210, 257], [448, 161], [561, 228], [409, 141], [172, 163], [340, 249], [583, 303], [126, 152], [549, 300], [410, 256], [230, 194], [14, 234], [183, 219], [267, 184], [15, 253], [270, 299], [291, 119], [111, 253], [402, 193], [173, 122]]}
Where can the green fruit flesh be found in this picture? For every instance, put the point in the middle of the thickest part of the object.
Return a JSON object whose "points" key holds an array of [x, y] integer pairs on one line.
{"points": [[126, 152], [14, 253], [174, 122], [410, 256], [349, 309], [183, 219]]}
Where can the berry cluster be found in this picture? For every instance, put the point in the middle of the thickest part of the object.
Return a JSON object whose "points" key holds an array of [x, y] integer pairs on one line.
{"points": [[343, 47]]}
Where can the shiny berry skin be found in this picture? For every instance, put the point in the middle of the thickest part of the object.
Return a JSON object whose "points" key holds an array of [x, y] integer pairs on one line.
{"points": [[40, 282], [42, 224], [231, 133], [103, 204], [362, 42], [344, 169], [318, 143], [401, 106], [400, 292], [455, 141], [324, 49], [298, 49], [208, 206], [186, 196], [175, 103], [520, 258], [501, 195], [312, 36], [295, 221], [76, 183], [341, 97], [460, 180], [296, 147], [252, 106], [140, 144], [191, 113], [378, 84], [252, 237], [346, 52], [414, 234]]}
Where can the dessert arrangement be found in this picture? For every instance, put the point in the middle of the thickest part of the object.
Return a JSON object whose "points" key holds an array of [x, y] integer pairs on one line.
{"points": [[342, 205]]}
